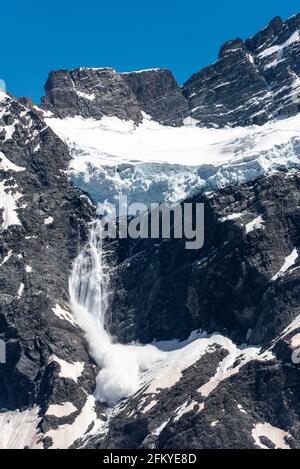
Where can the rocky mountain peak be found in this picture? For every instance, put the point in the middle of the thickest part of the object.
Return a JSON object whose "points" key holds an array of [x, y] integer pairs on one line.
{"points": [[252, 81], [158, 95], [277, 32], [90, 92], [232, 46]]}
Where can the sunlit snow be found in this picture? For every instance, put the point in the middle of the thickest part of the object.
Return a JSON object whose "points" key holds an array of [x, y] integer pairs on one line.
{"points": [[151, 162]]}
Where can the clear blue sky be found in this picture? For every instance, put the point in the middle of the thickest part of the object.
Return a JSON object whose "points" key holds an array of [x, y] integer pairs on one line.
{"points": [[128, 35]]}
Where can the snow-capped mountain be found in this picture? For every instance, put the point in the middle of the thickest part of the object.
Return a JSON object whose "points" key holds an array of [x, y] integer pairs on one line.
{"points": [[252, 82], [142, 343]]}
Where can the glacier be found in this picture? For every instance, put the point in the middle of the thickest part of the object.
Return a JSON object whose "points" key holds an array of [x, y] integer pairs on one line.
{"points": [[151, 162]]}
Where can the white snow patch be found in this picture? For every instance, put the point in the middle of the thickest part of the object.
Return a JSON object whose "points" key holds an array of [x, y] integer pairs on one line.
{"points": [[187, 407], [181, 355], [295, 37], [168, 372], [274, 434], [48, 221], [7, 165], [89, 97], [63, 314], [294, 325], [6, 258], [21, 290], [19, 429], [295, 342], [241, 409], [256, 224], [8, 202], [233, 216], [65, 435], [226, 368], [214, 424], [46, 114], [149, 406], [288, 263], [28, 269], [159, 429], [68, 370], [61, 410]]}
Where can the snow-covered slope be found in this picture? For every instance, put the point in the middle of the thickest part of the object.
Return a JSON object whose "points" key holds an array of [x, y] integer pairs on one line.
{"points": [[151, 162]]}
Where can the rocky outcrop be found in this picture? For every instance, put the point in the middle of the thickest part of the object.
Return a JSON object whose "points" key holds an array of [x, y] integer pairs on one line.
{"points": [[103, 92], [158, 95], [89, 92], [252, 81], [43, 222]]}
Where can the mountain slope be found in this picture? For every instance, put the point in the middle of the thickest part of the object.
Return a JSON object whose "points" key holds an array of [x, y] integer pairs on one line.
{"points": [[221, 368], [43, 223], [253, 81]]}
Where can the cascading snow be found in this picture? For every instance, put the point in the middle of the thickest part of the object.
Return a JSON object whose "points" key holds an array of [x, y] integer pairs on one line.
{"points": [[120, 365]]}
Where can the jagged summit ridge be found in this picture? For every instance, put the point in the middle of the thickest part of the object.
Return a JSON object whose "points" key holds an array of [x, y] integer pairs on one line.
{"points": [[90, 93], [252, 82]]}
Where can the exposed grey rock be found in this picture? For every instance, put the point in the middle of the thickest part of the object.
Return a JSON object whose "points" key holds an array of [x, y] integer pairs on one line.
{"points": [[36, 259], [103, 92], [158, 95], [162, 291], [89, 92], [253, 81]]}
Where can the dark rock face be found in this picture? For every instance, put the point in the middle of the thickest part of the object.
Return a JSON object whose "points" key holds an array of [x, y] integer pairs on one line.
{"points": [[227, 285], [103, 92], [253, 81], [43, 222], [158, 95], [90, 92], [231, 285], [230, 417]]}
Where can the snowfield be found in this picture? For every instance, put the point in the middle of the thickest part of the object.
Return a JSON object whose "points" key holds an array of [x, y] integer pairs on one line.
{"points": [[151, 162]]}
